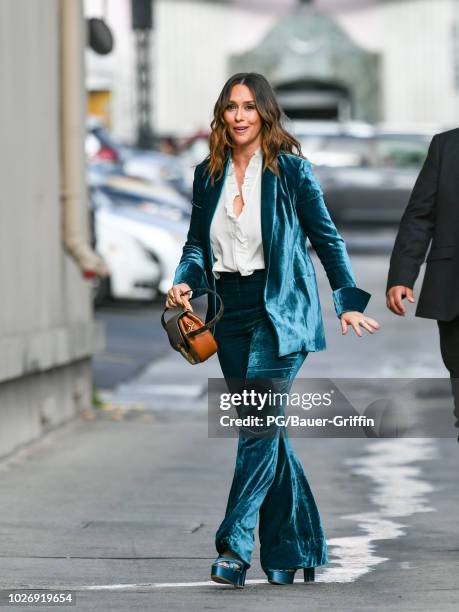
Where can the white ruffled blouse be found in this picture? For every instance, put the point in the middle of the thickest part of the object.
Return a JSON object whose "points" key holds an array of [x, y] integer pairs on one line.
{"points": [[236, 241]]}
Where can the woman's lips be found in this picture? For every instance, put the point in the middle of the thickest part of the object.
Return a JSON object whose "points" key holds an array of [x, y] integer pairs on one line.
{"points": [[240, 130]]}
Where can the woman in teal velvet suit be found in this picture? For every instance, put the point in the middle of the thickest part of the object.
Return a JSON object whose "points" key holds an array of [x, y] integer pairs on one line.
{"points": [[272, 317]]}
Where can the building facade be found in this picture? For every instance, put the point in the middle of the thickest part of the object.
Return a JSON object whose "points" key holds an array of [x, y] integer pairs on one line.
{"points": [[195, 43], [47, 330]]}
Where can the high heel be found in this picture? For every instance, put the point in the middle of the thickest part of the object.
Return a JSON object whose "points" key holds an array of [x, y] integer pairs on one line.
{"points": [[277, 576], [227, 570]]}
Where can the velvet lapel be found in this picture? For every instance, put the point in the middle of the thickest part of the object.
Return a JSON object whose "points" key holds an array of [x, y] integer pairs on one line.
{"points": [[213, 197], [268, 208], [268, 203]]}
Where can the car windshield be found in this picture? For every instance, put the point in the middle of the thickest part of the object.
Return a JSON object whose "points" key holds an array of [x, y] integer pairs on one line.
{"points": [[336, 150], [401, 151], [383, 150], [102, 134], [156, 208]]}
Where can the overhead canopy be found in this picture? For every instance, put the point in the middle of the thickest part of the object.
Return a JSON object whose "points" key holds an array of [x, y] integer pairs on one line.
{"points": [[316, 69]]}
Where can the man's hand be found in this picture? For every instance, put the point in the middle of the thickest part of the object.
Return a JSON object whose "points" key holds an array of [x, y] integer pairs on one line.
{"points": [[355, 320], [175, 296], [395, 296]]}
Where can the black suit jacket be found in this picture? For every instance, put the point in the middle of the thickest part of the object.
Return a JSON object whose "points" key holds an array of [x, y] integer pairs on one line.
{"points": [[432, 218]]}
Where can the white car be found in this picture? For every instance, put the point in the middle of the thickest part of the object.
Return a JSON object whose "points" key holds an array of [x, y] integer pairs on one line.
{"points": [[158, 168], [141, 249], [143, 190]]}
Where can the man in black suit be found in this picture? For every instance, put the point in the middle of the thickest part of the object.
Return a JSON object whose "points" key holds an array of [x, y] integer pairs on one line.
{"points": [[432, 215]]}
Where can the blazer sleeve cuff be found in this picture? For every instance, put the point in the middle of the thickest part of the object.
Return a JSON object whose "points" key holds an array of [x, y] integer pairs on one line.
{"points": [[193, 275], [350, 298], [403, 270], [401, 279]]}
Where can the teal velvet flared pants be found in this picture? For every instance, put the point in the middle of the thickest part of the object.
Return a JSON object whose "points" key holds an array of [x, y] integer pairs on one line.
{"points": [[269, 483]]}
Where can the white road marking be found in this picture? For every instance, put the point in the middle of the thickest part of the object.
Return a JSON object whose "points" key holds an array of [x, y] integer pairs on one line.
{"points": [[400, 492], [188, 391], [147, 585]]}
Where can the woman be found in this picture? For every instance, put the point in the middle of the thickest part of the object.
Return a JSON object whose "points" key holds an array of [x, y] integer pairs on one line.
{"points": [[254, 203]]}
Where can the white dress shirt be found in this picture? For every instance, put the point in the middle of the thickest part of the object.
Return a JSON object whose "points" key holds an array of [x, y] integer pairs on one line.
{"points": [[236, 241]]}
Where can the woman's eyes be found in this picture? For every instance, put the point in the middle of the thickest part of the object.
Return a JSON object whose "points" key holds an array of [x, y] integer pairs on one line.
{"points": [[248, 107]]}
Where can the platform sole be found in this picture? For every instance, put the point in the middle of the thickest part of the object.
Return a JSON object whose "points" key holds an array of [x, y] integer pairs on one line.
{"points": [[225, 575]]}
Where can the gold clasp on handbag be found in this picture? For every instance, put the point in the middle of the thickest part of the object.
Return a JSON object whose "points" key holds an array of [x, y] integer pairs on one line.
{"points": [[190, 325]]}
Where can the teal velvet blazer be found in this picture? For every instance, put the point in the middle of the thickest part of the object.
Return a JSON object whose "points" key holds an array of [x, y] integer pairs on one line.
{"points": [[292, 210]]}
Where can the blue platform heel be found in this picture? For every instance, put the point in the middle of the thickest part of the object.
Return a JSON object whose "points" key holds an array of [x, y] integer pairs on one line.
{"points": [[227, 570], [288, 576]]}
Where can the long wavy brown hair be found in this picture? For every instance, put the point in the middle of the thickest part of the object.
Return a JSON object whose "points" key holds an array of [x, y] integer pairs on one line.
{"points": [[274, 137]]}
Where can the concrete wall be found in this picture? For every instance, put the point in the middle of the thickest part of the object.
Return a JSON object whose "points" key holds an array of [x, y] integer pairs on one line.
{"points": [[47, 330]]}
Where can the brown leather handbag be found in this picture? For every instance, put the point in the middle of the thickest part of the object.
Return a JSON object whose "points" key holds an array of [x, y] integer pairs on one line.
{"points": [[189, 335]]}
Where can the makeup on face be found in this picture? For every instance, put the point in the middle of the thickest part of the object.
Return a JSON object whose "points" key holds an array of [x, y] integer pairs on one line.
{"points": [[241, 114]]}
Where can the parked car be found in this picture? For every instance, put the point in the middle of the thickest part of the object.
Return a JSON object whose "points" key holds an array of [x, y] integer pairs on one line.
{"points": [[138, 191], [159, 168], [366, 172], [154, 166], [141, 249], [100, 146], [192, 151]]}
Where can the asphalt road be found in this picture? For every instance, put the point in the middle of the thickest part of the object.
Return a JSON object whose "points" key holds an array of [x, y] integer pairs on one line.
{"points": [[123, 512], [134, 339], [122, 505]]}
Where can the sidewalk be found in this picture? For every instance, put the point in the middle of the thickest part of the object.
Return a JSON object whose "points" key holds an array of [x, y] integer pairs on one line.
{"points": [[136, 500], [122, 505]]}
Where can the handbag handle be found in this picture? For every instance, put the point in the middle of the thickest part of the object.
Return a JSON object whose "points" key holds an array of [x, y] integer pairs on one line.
{"points": [[206, 326]]}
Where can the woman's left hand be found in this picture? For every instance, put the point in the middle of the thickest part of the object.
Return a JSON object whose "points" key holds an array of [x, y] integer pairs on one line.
{"points": [[356, 320]]}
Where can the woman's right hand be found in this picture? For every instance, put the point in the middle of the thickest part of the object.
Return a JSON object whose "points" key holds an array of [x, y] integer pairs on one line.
{"points": [[175, 297]]}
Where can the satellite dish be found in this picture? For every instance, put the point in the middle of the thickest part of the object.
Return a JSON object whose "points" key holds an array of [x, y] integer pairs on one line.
{"points": [[100, 37]]}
